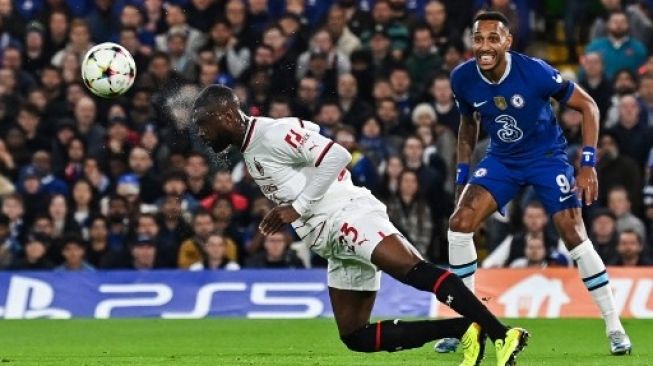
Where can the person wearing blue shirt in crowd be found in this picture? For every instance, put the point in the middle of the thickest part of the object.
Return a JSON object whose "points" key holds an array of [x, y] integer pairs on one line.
{"points": [[618, 50]]}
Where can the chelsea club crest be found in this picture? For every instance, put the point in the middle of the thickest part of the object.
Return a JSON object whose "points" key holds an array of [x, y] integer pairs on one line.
{"points": [[517, 101]]}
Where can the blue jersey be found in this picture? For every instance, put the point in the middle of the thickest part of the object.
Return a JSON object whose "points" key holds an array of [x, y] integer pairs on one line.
{"points": [[516, 111]]}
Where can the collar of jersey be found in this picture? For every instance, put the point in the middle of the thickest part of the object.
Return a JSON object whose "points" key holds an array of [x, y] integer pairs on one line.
{"points": [[505, 73], [248, 133]]}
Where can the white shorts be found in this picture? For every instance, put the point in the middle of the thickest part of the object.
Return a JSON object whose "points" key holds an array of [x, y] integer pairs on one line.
{"points": [[347, 238]]}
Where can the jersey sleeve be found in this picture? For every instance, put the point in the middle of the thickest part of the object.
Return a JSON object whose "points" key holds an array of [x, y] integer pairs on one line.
{"points": [[463, 106], [550, 82]]}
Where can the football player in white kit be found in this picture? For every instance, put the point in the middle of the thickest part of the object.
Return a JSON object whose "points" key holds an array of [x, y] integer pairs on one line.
{"points": [[306, 176]]}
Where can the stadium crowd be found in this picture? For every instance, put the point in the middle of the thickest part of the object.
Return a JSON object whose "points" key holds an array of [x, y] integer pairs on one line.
{"points": [[87, 183]]}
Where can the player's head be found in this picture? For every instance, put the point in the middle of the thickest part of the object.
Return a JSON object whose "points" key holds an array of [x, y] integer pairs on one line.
{"points": [[491, 39], [216, 113]]}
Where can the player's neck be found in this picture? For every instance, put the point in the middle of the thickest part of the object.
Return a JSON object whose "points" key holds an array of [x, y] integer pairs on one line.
{"points": [[496, 74]]}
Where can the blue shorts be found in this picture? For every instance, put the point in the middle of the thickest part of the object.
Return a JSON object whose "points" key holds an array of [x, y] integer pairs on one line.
{"points": [[552, 178]]}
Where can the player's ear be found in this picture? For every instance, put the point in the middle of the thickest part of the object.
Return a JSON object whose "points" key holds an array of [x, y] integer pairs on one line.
{"points": [[509, 40]]}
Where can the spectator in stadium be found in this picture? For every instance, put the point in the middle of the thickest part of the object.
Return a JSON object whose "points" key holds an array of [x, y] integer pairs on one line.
{"points": [[33, 196], [35, 258], [173, 230], [190, 251], [284, 64], [279, 107], [321, 42], [42, 168], [441, 98], [424, 59], [230, 53], [80, 42], [143, 254], [633, 136], [441, 144], [534, 223], [645, 97], [236, 14], [430, 179], [62, 220], [117, 213], [15, 143], [373, 143], [96, 176], [132, 17], [85, 112], [180, 58], [12, 59], [379, 46], [14, 208], [141, 164], [620, 205], [336, 24], [390, 179], [176, 21], [604, 234], [306, 103], [276, 253], [595, 82], [215, 256], [410, 212], [640, 25], [617, 48], [571, 123], [362, 170], [29, 120], [201, 13], [197, 170], [58, 24], [384, 20], [615, 169], [355, 110], [400, 83], [34, 54], [329, 117], [9, 246], [393, 129], [98, 254], [630, 250], [73, 250], [435, 16], [83, 204], [223, 186], [535, 254]]}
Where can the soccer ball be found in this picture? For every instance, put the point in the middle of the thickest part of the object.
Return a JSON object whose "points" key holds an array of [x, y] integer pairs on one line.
{"points": [[108, 70]]}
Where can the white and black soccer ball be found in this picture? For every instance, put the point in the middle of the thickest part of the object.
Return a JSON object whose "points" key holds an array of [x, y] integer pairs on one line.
{"points": [[108, 70]]}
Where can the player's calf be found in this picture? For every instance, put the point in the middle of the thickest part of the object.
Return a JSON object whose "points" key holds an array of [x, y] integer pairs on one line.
{"points": [[450, 290]]}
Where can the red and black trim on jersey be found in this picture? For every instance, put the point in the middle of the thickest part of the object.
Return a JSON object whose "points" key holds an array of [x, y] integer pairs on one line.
{"points": [[324, 151], [301, 122], [248, 135]]}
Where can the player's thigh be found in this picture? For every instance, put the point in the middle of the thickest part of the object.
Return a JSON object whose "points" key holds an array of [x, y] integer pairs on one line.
{"points": [[492, 186], [351, 309], [395, 256], [553, 181]]}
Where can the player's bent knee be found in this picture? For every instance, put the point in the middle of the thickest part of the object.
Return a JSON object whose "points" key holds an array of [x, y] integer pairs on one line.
{"points": [[462, 222], [361, 340]]}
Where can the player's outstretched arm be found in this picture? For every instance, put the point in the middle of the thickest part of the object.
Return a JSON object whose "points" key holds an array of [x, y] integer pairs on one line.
{"points": [[467, 138], [587, 183]]}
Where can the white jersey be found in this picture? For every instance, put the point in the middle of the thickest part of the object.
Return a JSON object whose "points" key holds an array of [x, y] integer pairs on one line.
{"points": [[282, 156]]}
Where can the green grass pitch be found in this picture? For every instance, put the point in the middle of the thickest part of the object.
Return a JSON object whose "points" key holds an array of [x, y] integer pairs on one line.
{"points": [[281, 342]]}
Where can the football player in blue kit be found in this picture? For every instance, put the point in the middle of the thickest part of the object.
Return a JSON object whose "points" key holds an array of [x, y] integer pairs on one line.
{"points": [[510, 94]]}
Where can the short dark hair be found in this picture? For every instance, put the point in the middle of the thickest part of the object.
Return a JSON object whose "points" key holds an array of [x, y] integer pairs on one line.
{"points": [[632, 231], [492, 15], [215, 95]]}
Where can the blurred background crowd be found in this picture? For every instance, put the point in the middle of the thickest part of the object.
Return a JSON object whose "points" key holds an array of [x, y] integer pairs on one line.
{"points": [[87, 183]]}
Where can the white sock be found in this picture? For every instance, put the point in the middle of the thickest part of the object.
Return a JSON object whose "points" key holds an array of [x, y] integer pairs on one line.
{"points": [[462, 257], [595, 278]]}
